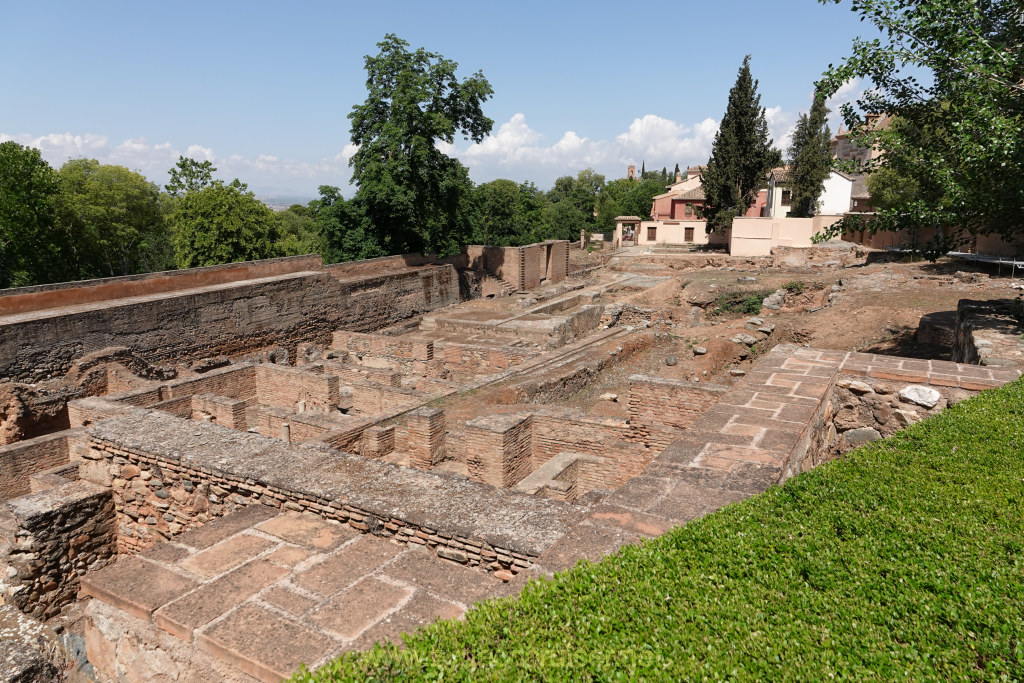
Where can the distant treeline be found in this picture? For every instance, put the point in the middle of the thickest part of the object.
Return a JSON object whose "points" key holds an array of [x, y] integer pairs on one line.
{"points": [[88, 220]]}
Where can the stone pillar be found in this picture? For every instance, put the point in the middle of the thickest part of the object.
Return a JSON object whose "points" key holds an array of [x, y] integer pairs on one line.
{"points": [[426, 429], [499, 449], [378, 441]]}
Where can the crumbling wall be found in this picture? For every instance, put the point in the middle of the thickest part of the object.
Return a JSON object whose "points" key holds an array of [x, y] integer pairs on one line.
{"points": [[49, 539], [373, 303], [989, 333]]}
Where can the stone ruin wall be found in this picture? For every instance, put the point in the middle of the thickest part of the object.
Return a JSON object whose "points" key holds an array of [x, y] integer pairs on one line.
{"points": [[228, 320]]}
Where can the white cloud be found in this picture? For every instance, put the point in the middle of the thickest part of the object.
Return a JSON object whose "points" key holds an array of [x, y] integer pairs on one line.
{"points": [[59, 147], [266, 172], [516, 149], [780, 126]]}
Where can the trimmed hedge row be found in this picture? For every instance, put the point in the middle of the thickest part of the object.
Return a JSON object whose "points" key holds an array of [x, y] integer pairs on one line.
{"points": [[904, 560]]}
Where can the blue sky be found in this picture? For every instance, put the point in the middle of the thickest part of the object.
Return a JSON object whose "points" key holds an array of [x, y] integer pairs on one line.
{"points": [[263, 88]]}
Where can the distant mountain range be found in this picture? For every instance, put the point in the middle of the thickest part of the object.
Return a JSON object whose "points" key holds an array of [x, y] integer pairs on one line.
{"points": [[281, 202]]}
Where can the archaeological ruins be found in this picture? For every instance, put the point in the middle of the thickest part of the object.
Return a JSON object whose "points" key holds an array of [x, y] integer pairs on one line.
{"points": [[226, 472]]}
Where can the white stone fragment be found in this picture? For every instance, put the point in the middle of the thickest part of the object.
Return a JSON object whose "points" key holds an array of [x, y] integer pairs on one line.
{"points": [[919, 395]]}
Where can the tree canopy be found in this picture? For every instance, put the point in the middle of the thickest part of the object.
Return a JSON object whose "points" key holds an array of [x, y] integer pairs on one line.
{"points": [[741, 155], [414, 195], [222, 223], [115, 219], [810, 159], [951, 73], [32, 250]]}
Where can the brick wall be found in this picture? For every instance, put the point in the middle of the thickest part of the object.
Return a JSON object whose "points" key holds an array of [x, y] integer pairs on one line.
{"points": [[350, 373], [499, 449], [18, 461], [285, 387], [609, 440], [234, 381], [228, 412], [380, 345], [425, 430], [657, 407], [41, 297], [533, 262], [227, 319], [368, 399], [375, 302], [558, 262]]}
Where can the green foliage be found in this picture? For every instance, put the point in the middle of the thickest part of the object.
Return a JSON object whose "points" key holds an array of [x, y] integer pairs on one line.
{"points": [[189, 175], [794, 287], [741, 303], [951, 71], [32, 249], [114, 218], [415, 197], [347, 233], [624, 197], [891, 190], [299, 232], [902, 561], [741, 155], [222, 224], [810, 159], [508, 213]]}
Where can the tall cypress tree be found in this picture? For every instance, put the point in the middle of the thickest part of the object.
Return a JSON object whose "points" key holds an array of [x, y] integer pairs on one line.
{"points": [[810, 159], [741, 156]]}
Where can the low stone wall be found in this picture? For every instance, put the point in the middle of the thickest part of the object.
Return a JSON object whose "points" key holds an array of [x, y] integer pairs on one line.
{"points": [[51, 539], [168, 476], [989, 333]]}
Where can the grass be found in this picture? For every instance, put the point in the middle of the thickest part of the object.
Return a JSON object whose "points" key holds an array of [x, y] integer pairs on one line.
{"points": [[741, 303], [794, 287], [904, 560]]}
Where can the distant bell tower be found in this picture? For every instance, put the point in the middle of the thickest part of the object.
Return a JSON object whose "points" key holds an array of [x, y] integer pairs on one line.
{"points": [[631, 172]]}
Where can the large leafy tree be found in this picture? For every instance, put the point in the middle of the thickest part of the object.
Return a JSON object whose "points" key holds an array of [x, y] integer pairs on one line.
{"points": [[115, 219], [508, 213], [625, 197], [741, 155], [222, 223], [32, 249], [346, 231], [299, 232], [951, 74], [189, 175], [810, 159], [414, 195]]}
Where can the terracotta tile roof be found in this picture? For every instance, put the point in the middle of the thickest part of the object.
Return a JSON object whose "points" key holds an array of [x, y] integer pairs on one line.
{"points": [[695, 193], [781, 174]]}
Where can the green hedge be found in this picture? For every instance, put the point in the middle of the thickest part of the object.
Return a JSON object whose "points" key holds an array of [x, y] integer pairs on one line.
{"points": [[904, 560]]}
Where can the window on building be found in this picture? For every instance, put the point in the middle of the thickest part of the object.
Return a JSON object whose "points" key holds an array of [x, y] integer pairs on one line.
{"points": [[652, 233], [688, 237], [689, 210], [786, 197]]}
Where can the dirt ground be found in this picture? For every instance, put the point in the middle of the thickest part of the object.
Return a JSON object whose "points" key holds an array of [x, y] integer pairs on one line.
{"points": [[874, 308]]}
